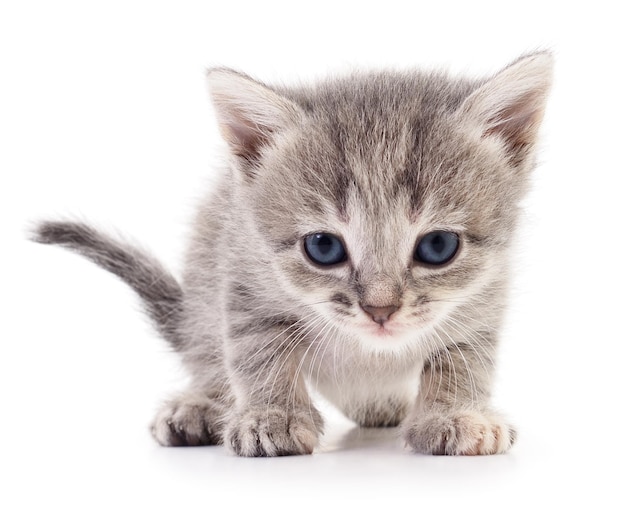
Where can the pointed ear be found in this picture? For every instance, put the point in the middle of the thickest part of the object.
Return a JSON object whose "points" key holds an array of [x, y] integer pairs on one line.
{"points": [[510, 105], [248, 113]]}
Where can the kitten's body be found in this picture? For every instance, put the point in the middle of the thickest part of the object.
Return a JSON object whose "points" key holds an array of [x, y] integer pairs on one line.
{"points": [[380, 161]]}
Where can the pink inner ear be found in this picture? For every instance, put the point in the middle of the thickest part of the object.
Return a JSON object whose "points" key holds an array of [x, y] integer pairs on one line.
{"points": [[518, 123], [244, 137]]}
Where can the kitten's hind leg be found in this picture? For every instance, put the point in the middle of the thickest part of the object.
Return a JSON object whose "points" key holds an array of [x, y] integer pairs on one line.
{"points": [[191, 418]]}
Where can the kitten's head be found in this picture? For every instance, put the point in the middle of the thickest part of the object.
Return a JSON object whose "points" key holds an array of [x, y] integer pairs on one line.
{"points": [[384, 201]]}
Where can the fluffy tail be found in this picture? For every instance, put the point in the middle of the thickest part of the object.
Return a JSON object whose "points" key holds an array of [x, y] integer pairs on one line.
{"points": [[160, 292]]}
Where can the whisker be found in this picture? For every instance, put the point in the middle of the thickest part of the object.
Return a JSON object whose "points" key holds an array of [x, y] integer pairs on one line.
{"points": [[444, 348], [278, 365], [312, 344], [474, 341], [264, 347], [470, 374]]}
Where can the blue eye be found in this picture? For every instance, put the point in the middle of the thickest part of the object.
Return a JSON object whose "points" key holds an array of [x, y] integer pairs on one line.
{"points": [[324, 249], [437, 248]]}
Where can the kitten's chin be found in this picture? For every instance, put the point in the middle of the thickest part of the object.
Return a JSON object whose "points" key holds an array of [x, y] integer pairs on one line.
{"points": [[390, 338]]}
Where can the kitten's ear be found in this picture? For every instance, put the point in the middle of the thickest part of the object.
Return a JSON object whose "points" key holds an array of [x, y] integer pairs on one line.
{"points": [[248, 112], [510, 105]]}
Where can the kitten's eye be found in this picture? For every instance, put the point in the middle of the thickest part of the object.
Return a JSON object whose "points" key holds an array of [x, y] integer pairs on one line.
{"points": [[324, 249], [437, 248]]}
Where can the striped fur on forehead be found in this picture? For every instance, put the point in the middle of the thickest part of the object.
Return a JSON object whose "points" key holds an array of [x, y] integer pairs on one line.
{"points": [[387, 146], [377, 129]]}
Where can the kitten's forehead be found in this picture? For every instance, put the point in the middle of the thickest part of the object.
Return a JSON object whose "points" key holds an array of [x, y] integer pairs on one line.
{"points": [[394, 168], [385, 154], [387, 136], [371, 174]]}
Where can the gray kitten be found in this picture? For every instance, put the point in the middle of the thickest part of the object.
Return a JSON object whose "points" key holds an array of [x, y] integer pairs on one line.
{"points": [[357, 244]]}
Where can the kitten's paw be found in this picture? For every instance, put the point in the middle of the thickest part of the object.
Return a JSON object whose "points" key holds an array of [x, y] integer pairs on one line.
{"points": [[274, 431], [467, 433], [189, 421]]}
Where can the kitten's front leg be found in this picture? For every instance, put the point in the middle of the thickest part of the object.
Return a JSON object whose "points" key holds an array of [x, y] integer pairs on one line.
{"points": [[274, 416], [452, 414]]}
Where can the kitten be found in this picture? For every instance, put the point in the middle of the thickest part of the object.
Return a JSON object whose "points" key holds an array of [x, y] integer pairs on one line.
{"points": [[357, 245]]}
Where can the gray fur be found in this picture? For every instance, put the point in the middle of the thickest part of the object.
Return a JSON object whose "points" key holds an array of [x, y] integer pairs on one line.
{"points": [[378, 159]]}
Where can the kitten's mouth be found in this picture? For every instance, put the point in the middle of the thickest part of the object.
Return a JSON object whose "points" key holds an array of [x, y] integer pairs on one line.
{"points": [[393, 329], [386, 330], [383, 331]]}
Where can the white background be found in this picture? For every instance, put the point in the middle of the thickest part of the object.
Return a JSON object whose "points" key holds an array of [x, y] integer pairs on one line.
{"points": [[104, 115]]}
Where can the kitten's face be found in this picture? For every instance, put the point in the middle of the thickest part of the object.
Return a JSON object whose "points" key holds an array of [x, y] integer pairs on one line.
{"points": [[383, 202], [384, 239]]}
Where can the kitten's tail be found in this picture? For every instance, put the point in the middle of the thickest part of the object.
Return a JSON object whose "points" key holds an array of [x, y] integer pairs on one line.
{"points": [[160, 292]]}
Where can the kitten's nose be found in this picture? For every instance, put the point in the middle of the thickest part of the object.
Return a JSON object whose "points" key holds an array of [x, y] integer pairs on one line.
{"points": [[380, 314]]}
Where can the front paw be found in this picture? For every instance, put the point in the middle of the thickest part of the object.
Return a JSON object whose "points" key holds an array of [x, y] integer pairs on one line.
{"points": [[467, 433], [189, 420], [274, 431]]}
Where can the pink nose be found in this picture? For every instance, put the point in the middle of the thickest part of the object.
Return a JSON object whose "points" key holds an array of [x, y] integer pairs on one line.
{"points": [[380, 314]]}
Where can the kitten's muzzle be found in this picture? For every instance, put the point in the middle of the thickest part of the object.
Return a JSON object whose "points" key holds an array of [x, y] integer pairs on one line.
{"points": [[380, 314]]}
